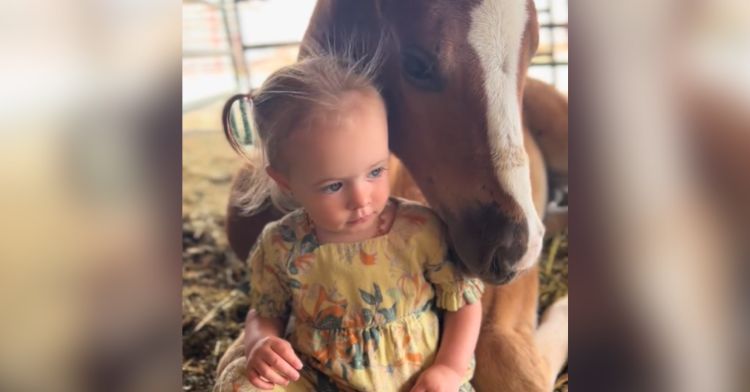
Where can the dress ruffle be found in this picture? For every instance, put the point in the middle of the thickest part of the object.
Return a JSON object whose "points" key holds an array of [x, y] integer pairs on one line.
{"points": [[456, 295]]}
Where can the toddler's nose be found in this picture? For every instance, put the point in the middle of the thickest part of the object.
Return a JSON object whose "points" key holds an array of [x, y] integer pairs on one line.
{"points": [[359, 197]]}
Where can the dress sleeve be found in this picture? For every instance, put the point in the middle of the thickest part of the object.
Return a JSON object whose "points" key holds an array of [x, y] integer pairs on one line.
{"points": [[269, 290], [453, 290]]}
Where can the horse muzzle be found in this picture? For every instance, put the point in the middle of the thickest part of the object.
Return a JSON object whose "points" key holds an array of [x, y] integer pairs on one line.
{"points": [[493, 246]]}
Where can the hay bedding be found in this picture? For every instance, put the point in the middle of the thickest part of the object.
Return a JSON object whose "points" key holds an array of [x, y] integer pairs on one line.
{"points": [[214, 291]]}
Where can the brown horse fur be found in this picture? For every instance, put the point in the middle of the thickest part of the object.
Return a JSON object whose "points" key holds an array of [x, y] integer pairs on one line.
{"points": [[545, 114], [439, 127]]}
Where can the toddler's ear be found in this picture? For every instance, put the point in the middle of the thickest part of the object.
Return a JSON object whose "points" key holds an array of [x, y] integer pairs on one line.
{"points": [[279, 178]]}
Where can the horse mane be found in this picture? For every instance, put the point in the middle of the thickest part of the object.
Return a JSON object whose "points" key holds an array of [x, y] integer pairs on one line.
{"points": [[254, 189]]}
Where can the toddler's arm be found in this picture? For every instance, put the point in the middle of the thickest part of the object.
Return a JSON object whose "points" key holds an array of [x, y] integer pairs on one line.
{"points": [[270, 359], [460, 334]]}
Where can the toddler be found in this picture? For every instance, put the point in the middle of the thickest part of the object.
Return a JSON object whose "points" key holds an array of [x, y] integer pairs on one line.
{"points": [[364, 274]]}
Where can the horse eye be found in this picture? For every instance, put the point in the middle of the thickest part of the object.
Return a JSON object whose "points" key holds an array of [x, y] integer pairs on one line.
{"points": [[420, 69]]}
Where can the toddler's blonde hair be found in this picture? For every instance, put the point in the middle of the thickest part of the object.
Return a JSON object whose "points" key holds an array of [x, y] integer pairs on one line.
{"points": [[288, 99]]}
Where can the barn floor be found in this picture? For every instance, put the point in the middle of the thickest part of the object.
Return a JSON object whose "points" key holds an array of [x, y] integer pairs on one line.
{"points": [[214, 301]]}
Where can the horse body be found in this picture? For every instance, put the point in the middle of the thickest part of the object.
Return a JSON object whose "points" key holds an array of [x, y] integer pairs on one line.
{"points": [[453, 76]]}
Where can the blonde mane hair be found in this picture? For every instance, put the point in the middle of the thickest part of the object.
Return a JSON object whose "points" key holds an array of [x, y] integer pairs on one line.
{"points": [[287, 100]]}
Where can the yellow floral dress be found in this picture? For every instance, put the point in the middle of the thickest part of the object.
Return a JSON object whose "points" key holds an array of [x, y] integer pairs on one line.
{"points": [[364, 313]]}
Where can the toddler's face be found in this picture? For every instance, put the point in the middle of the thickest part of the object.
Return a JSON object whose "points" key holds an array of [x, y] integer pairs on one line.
{"points": [[337, 168]]}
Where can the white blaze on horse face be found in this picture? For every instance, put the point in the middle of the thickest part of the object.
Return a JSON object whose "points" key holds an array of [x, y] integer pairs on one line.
{"points": [[496, 32]]}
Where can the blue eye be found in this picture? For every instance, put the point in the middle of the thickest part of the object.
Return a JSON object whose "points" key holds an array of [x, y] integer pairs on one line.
{"points": [[376, 172], [332, 188]]}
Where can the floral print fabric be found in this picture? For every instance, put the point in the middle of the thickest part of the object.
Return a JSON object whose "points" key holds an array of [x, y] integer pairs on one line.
{"points": [[364, 312]]}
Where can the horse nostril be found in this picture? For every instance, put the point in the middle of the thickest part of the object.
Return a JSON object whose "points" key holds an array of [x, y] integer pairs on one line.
{"points": [[492, 242], [500, 270], [501, 260]]}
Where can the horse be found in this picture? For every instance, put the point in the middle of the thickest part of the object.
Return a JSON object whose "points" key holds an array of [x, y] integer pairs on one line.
{"points": [[453, 75]]}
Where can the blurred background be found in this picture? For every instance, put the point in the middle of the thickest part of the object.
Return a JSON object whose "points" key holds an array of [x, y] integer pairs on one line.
{"points": [[661, 226], [90, 131]]}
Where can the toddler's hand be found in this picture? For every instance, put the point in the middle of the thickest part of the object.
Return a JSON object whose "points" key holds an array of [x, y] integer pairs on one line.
{"points": [[272, 361], [438, 378]]}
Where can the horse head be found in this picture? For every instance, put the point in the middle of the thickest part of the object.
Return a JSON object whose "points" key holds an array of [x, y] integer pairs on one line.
{"points": [[452, 75]]}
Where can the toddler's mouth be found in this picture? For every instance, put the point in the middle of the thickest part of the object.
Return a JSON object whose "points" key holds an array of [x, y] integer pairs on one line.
{"points": [[361, 219]]}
